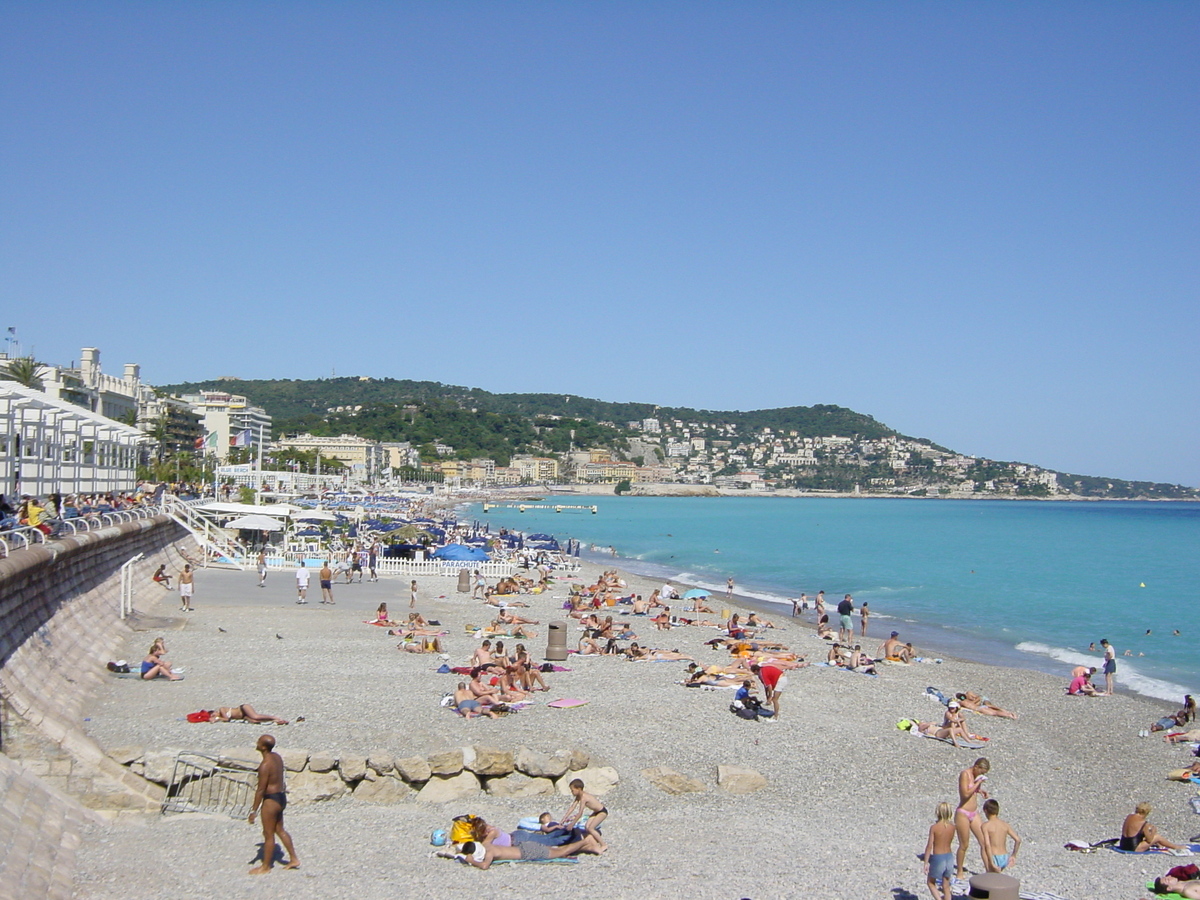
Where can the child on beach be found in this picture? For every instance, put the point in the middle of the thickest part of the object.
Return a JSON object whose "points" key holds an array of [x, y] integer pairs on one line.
{"points": [[996, 833], [586, 811], [939, 861]]}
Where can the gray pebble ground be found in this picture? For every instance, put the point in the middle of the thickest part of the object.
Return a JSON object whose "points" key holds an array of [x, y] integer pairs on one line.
{"points": [[846, 811]]}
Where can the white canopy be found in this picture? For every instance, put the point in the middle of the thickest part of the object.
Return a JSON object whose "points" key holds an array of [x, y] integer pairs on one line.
{"points": [[256, 523], [319, 515], [276, 510]]}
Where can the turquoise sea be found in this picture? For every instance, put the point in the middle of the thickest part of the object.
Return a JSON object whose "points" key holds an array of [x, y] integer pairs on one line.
{"points": [[1027, 584]]}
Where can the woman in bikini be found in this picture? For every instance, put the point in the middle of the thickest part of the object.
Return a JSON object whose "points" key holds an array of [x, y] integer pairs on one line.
{"points": [[966, 816], [246, 713], [975, 703]]}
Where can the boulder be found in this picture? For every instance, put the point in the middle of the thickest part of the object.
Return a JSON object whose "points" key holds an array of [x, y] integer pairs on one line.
{"points": [[579, 760], [309, 786], [672, 782], [413, 768], [518, 785], [739, 780], [380, 760], [322, 762], [441, 789], [352, 768], [384, 789], [294, 760], [448, 762], [491, 761], [126, 755], [597, 780], [158, 765], [542, 765], [241, 757]]}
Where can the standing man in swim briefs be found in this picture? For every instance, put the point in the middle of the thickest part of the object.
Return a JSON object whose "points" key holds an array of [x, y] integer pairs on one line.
{"points": [[302, 583], [1110, 662], [271, 797], [326, 578], [774, 682], [729, 588], [262, 568], [187, 587]]}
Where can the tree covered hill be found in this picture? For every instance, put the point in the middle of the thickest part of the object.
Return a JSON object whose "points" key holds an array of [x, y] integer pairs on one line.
{"points": [[299, 404]]}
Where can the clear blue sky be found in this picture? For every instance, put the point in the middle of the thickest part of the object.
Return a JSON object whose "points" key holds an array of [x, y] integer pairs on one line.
{"points": [[977, 222]]}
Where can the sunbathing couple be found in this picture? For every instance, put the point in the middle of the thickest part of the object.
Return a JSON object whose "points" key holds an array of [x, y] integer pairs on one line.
{"points": [[585, 814], [853, 659], [516, 672]]}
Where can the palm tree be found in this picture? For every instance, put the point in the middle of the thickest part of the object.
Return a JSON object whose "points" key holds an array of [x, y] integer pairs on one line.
{"points": [[24, 371]]}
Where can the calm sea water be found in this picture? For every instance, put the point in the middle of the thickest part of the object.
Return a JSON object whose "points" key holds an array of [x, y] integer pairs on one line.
{"points": [[1016, 583]]}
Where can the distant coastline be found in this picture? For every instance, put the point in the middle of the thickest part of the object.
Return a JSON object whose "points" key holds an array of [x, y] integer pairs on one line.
{"points": [[707, 490]]}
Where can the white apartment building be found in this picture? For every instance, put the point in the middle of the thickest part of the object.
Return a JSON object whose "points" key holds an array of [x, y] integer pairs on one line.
{"points": [[225, 416], [365, 459]]}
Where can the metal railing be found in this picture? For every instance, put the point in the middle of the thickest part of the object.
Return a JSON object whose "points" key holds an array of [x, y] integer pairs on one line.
{"points": [[211, 538], [209, 784]]}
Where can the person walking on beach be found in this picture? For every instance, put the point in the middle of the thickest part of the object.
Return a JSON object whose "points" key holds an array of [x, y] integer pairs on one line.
{"points": [[996, 833], [939, 861], [863, 615], [271, 798], [262, 568], [302, 575], [326, 579], [966, 817], [412, 592], [480, 586], [373, 561], [1110, 665], [729, 588], [187, 587], [846, 621]]}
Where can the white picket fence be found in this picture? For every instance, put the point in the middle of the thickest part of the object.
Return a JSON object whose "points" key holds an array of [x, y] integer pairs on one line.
{"points": [[289, 559]]}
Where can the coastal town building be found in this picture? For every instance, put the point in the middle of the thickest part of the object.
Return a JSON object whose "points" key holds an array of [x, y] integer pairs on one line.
{"points": [[365, 459], [229, 420]]}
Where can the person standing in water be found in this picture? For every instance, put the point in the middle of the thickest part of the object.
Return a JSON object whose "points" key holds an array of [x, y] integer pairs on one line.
{"points": [[1110, 665]]}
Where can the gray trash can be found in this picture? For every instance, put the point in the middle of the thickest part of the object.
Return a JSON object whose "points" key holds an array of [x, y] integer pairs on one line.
{"points": [[464, 581], [556, 642], [995, 886]]}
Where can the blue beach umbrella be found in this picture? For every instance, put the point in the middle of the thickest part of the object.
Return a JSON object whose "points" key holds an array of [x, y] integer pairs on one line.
{"points": [[694, 593], [460, 553]]}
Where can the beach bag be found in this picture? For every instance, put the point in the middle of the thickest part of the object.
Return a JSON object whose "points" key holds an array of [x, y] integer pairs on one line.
{"points": [[462, 829], [202, 716], [443, 669]]}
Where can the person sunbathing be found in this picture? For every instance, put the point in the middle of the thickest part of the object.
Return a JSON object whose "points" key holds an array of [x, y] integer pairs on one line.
{"points": [[155, 665], [481, 856], [482, 655], [1182, 737], [860, 662], [411, 644], [511, 618], [977, 704], [646, 653], [467, 706], [700, 606], [382, 617], [824, 632], [245, 713], [663, 620], [753, 621], [640, 607], [700, 678], [1169, 884], [837, 656], [527, 673], [1138, 835]]}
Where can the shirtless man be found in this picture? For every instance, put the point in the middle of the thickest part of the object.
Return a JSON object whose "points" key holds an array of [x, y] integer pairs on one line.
{"points": [[482, 655], [585, 804], [1169, 884], [262, 568], [891, 648], [326, 577], [481, 855], [938, 861], [468, 707], [187, 587], [271, 796], [996, 833], [966, 816]]}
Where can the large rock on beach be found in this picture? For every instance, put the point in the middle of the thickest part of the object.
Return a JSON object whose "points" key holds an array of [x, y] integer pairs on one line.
{"points": [[381, 761], [672, 782], [441, 789], [125, 755], [413, 768], [448, 762], [739, 780], [309, 787], [597, 780], [580, 760], [491, 761], [240, 757], [384, 789], [542, 765], [322, 761], [352, 768], [518, 785], [158, 765], [294, 760]]}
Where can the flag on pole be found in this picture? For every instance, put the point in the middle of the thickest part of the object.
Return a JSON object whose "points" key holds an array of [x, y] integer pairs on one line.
{"points": [[241, 439]]}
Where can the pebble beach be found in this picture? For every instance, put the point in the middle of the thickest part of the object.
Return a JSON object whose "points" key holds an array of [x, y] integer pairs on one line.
{"points": [[844, 814]]}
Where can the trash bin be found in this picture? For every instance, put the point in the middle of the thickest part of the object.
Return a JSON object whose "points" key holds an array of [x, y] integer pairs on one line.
{"points": [[995, 886], [464, 581], [556, 642]]}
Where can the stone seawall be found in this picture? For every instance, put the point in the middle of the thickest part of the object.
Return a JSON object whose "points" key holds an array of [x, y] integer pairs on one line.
{"points": [[59, 625]]}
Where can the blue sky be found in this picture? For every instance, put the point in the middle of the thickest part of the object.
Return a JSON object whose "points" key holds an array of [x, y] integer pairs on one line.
{"points": [[976, 222]]}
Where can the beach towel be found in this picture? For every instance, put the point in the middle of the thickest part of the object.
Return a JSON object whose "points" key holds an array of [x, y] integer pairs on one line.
{"points": [[1170, 896], [1192, 850], [566, 703]]}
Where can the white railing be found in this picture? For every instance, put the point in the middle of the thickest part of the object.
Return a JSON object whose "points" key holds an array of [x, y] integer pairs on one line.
{"points": [[212, 539], [286, 559], [127, 586]]}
